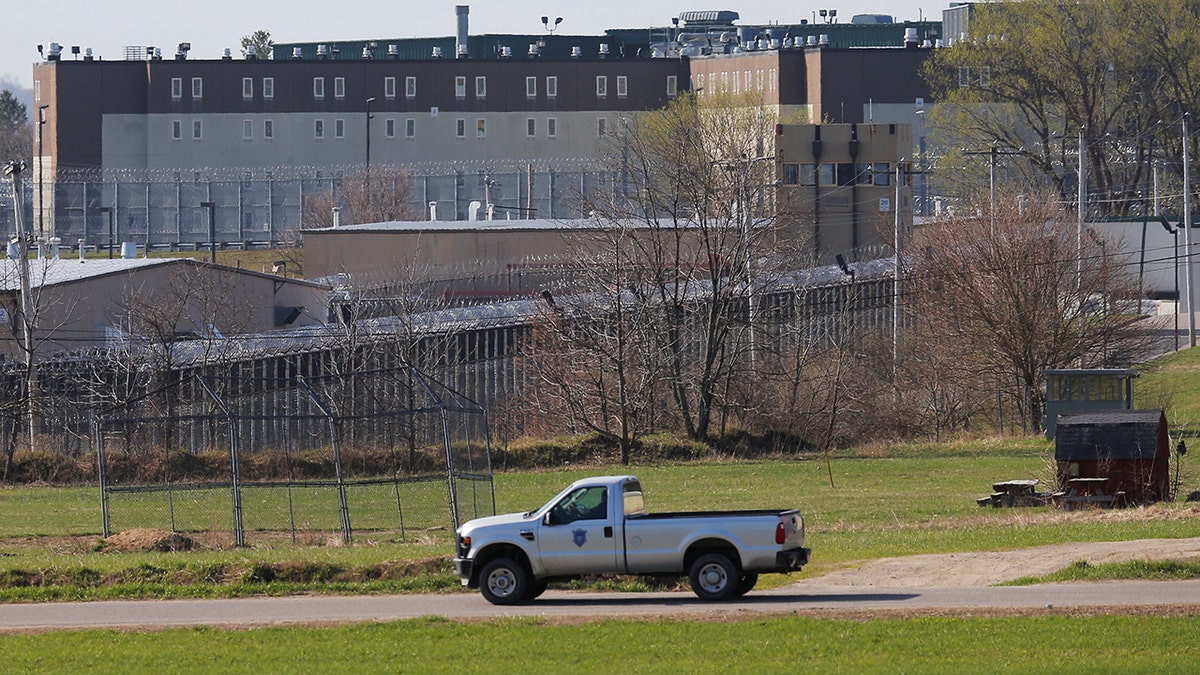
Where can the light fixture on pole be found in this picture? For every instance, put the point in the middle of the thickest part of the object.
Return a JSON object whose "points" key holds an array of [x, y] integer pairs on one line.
{"points": [[547, 26]]}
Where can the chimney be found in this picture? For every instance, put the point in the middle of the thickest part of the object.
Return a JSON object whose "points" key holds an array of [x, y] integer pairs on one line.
{"points": [[462, 45]]}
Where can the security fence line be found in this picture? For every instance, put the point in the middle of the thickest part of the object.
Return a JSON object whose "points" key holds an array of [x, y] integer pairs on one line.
{"points": [[164, 212], [153, 468]]}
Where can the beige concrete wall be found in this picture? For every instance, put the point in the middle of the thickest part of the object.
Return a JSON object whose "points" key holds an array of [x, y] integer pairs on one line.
{"points": [[83, 314], [146, 141]]}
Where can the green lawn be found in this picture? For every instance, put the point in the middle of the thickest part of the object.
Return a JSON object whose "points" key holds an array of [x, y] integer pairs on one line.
{"points": [[1042, 644]]}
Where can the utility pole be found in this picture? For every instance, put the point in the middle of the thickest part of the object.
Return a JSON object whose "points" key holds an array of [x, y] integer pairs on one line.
{"points": [[13, 170], [1187, 233]]}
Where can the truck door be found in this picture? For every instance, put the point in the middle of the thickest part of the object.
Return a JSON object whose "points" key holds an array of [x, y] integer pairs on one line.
{"points": [[576, 536]]}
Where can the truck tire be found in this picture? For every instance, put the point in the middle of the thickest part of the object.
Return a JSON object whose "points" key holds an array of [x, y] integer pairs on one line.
{"points": [[714, 577], [504, 582], [746, 583]]}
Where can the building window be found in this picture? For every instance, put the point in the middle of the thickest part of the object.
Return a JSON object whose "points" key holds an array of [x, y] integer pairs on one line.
{"points": [[37, 90], [197, 87], [531, 87], [319, 129], [882, 174], [410, 128], [531, 127], [985, 76], [826, 174], [480, 128], [268, 129], [247, 88], [480, 87], [601, 126], [773, 79], [389, 87], [551, 86], [724, 81], [761, 80], [964, 76], [339, 129], [318, 88], [622, 86], [410, 87], [197, 130], [176, 88], [551, 128], [176, 130], [791, 174], [247, 130], [460, 87], [268, 88], [808, 174], [339, 87], [601, 86], [737, 81], [460, 128], [389, 128], [672, 85]]}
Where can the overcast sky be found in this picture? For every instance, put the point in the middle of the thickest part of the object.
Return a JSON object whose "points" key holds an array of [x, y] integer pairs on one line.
{"points": [[107, 26]]}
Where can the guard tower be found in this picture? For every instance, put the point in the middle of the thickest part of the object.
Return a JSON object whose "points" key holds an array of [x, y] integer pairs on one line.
{"points": [[1075, 390]]}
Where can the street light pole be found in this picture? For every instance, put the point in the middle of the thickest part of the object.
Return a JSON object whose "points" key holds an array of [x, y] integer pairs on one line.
{"points": [[369, 102], [41, 167], [111, 235], [212, 228]]}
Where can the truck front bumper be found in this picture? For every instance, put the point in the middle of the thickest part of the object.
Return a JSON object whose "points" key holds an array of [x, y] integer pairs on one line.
{"points": [[792, 559], [463, 568]]}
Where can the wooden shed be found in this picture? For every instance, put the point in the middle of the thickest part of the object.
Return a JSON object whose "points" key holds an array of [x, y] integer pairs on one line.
{"points": [[1129, 448]]}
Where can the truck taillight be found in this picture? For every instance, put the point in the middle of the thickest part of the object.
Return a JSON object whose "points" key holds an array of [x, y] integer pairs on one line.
{"points": [[780, 534]]}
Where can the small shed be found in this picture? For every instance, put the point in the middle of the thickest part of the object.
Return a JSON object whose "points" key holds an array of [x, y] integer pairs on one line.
{"points": [[1129, 448]]}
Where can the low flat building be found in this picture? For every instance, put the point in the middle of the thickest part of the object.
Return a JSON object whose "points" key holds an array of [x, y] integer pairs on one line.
{"points": [[87, 304]]}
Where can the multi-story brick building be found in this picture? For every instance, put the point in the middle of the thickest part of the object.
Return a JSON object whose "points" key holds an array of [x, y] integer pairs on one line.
{"points": [[155, 139]]}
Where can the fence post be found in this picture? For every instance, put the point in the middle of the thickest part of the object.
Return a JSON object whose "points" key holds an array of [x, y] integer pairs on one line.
{"points": [[98, 439]]}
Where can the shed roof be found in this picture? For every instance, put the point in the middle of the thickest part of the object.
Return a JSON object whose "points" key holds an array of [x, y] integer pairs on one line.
{"points": [[1107, 434]]}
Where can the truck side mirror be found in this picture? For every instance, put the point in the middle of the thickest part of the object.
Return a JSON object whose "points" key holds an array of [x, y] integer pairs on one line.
{"points": [[548, 519]]}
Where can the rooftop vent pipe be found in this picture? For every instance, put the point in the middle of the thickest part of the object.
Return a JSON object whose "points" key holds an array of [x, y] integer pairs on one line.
{"points": [[463, 12]]}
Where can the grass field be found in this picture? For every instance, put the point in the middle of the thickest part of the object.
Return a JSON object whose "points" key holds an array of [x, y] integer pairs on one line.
{"points": [[1039, 644], [882, 502]]}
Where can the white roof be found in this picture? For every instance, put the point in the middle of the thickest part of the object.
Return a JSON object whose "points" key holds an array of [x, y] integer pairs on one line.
{"points": [[51, 271]]}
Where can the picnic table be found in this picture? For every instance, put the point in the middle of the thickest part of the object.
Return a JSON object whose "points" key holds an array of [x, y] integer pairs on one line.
{"points": [[1013, 493], [1087, 492]]}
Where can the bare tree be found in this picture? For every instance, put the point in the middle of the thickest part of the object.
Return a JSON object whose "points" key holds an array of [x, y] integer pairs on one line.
{"points": [[378, 194], [692, 202], [1018, 291], [594, 356]]}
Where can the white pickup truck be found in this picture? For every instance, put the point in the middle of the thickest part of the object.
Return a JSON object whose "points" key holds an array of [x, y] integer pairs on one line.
{"points": [[600, 526]]}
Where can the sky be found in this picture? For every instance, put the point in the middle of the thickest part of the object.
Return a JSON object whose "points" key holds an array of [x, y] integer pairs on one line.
{"points": [[108, 26]]}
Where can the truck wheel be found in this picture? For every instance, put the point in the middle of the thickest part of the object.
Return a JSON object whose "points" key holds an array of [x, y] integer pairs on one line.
{"points": [[714, 577], [746, 583], [503, 582]]}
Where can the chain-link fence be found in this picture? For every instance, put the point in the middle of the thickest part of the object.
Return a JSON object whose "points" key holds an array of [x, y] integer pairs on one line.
{"points": [[387, 450], [166, 210]]}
